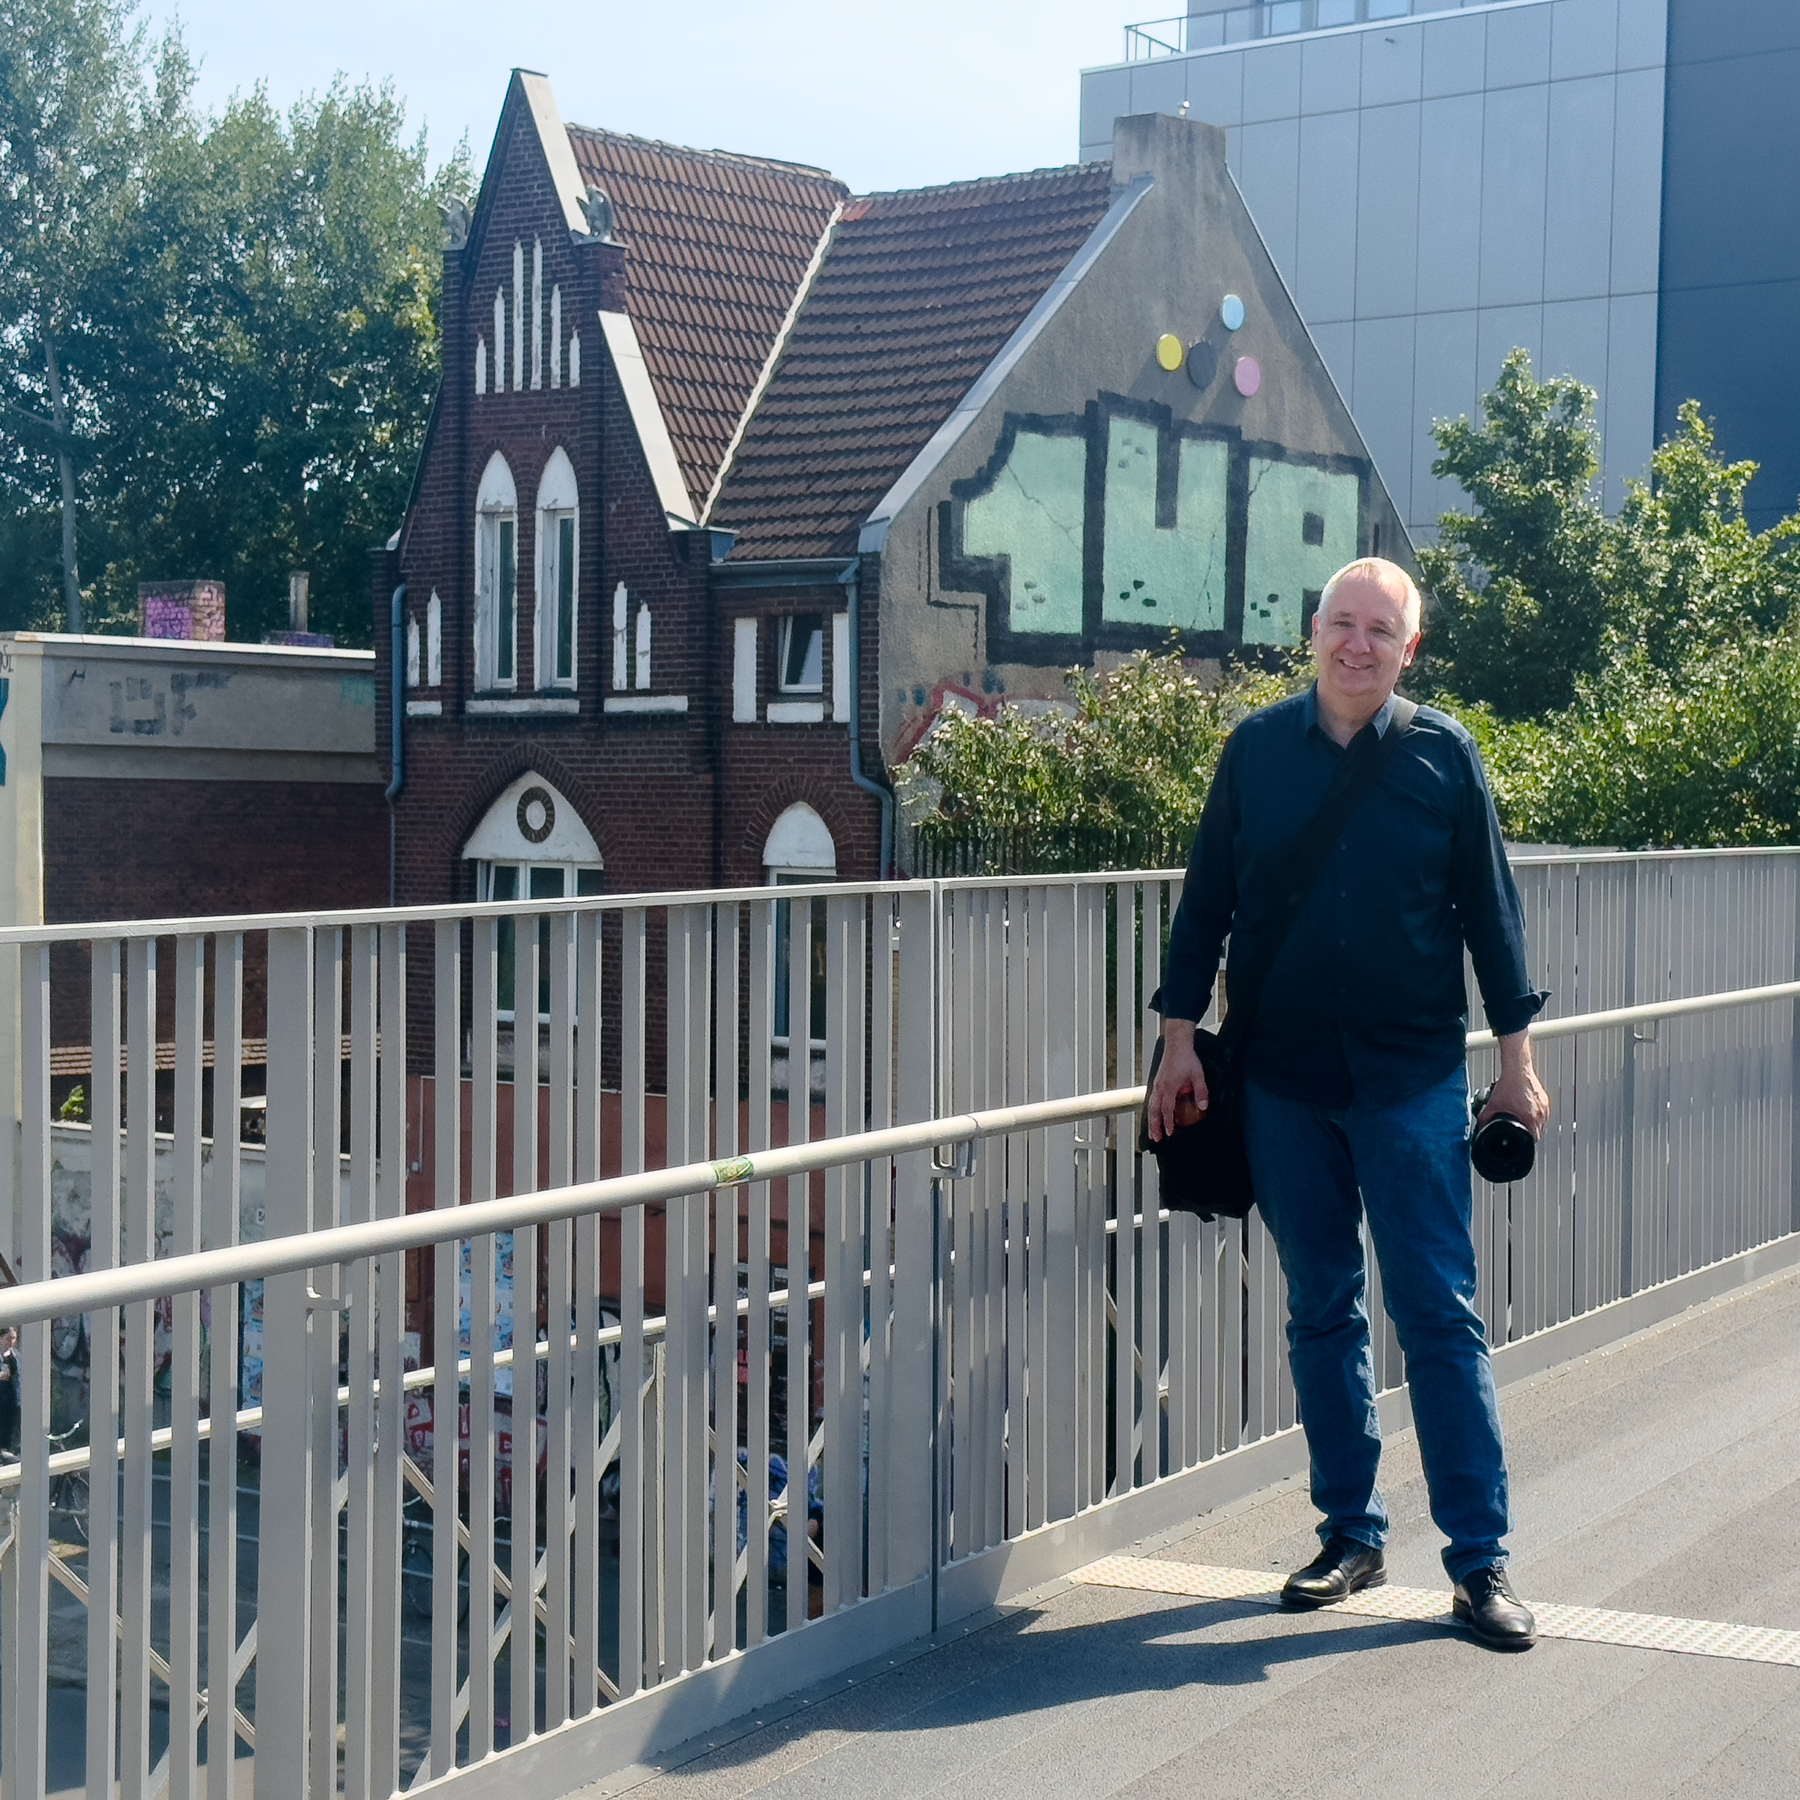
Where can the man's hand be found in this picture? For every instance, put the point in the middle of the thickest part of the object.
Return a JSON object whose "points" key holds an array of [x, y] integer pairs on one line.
{"points": [[1179, 1096], [1518, 1091]]}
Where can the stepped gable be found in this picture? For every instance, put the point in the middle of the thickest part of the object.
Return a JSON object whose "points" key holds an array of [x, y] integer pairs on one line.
{"points": [[715, 248], [918, 292]]}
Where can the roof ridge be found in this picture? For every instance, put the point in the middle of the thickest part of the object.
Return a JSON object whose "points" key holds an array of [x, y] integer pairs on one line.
{"points": [[980, 181], [715, 154]]}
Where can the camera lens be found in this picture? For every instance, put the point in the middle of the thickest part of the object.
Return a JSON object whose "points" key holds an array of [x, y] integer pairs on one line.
{"points": [[1503, 1149]]}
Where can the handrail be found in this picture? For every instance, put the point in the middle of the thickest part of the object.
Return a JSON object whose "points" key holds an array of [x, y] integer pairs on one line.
{"points": [[66, 1295], [63, 1296]]}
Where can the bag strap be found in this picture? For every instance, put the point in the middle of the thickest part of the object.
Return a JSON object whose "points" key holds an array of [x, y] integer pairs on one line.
{"points": [[1304, 856]]}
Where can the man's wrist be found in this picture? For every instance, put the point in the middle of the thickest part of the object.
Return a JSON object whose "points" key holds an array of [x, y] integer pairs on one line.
{"points": [[1515, 1053], [1176, 1031]]}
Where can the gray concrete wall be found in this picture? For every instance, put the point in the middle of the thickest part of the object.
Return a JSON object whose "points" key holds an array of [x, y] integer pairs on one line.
{"points": [[1438, 190]]}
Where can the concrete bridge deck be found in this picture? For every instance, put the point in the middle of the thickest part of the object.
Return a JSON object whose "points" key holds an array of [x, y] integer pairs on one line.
{"points": [[1659, 1477]]}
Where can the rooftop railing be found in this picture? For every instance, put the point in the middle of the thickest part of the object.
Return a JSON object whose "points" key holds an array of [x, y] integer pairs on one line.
{"points": [[565, 1429], [1211, 23]]}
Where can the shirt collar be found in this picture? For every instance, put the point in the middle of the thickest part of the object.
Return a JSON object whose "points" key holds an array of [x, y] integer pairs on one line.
{"points": [[1381, 720]]}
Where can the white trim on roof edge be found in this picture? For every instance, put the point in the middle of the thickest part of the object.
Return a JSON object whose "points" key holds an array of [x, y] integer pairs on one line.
{"points": [[571, 190], [652, 429], [873, 536], [769, 362]]}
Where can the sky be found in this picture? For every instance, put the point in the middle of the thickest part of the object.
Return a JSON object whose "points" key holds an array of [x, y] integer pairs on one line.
{"points": [[904, 94]]}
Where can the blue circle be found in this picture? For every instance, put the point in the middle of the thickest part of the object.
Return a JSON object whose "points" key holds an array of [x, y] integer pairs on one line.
{"points": [[1231, 310]]}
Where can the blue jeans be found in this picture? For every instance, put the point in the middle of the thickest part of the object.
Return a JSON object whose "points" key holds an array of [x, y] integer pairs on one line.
{"points": [[1317, 1170]]}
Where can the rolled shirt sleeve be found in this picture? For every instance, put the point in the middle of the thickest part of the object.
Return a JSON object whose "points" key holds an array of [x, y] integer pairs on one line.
{"points": [[1487, 905]]}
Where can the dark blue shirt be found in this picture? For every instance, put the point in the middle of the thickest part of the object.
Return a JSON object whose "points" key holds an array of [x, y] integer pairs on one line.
{"points": [[1366, 1000]]}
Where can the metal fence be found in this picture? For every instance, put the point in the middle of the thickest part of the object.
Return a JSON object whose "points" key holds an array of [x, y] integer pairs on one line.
{"points": [[677, 1443]]}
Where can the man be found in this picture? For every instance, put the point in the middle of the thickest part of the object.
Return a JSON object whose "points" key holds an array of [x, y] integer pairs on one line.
{"points": [[1355, 1097]]}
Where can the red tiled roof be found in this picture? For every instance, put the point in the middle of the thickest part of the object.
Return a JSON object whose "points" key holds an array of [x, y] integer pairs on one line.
{"points": [[917, 294], [715, 249]]}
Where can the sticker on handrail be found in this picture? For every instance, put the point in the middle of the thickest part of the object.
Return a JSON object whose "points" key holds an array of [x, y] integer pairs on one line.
{"points": [[729, 1174]]}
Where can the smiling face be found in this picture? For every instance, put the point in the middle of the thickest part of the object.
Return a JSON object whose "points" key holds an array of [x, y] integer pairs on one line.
{"points": [[1364, 634]]}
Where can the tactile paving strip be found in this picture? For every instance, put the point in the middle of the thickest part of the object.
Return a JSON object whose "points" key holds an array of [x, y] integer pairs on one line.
{"points": [[1585, 1624]]}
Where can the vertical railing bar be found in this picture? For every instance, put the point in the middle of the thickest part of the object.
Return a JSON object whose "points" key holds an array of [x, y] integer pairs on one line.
{"points": [[696, 1544], [1125, 1030], [1039, 1400], [364, 949], [136, 1416], [728, 940], [484, 1070], [328, 1009], [585, 1420], [1017, 1203], [757, 1334], [799, 1252], [446, 1396], [958, 1004], [842, 1350], [103, 1386], [631, 1305], [27, 1757], [284, 1524], [522, 1456], [389, 1296], [992, 1178], [1145, 1023], [1062, 1363], [1094, 1187], [562, 1408], [184, 1380]]}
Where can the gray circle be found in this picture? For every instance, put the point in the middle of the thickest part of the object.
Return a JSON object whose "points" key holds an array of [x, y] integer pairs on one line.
{"points": [[539, 797], [1202, 363]]}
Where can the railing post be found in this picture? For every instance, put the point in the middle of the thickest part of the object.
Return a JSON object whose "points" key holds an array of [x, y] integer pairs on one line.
{"points": [[284, 1608], [910, 1445]]}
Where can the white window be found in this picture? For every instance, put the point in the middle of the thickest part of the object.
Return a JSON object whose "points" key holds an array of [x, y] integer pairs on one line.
{"points": [[574, 359], [743, 671], [802, 667], [537, 312], [518, 321], [434, 641], [412, 650], [559, 544], [499, 340], [496, 578], [621, 612], [643, 644], [799, 850], [556, 337], [481, 365], [531, 844]]}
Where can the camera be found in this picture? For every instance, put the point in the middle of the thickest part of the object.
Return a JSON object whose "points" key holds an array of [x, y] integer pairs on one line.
{"points": [[1503, 1149]]}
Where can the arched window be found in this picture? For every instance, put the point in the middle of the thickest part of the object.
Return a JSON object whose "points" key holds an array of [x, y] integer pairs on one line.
{"points": [[531, 845], [496, 577], [799, 851], [558, 550]]}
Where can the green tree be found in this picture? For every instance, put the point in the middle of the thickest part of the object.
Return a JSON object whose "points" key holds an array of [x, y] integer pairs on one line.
{"points": [[71, 154], [1118, 776], [1523, 584], [260, 352]]}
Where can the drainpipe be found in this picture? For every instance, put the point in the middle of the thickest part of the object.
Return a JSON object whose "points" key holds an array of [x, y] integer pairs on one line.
{"points": [[397, 673], [883, 794]]}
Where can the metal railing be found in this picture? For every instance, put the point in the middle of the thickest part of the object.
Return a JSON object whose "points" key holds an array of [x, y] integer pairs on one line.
{"points": [[1207, 26], [989, 1356]]}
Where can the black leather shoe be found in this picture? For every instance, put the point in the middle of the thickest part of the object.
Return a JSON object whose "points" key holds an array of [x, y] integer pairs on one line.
{"points": [[1485, 1602], [1341, 1569]]}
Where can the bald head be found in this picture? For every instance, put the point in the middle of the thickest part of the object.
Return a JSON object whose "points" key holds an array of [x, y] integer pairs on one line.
{"points": [[1388, 576]]}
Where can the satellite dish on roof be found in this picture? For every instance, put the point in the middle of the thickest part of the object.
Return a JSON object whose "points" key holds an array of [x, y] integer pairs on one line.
{"points": [[599, 211]]}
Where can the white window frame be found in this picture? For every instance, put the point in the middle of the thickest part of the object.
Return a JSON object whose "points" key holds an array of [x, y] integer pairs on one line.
{"points": [[791, 623], [571, 873], [496, 509], [559, 503]]}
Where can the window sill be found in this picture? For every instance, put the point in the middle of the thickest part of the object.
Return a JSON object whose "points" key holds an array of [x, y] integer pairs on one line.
{"points": [[796, 712], [645, 703], [424, 709], [564, 706]]}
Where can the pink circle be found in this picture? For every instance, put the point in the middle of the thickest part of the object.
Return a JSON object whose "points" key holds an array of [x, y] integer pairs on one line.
{"points": [[1247, 375]]}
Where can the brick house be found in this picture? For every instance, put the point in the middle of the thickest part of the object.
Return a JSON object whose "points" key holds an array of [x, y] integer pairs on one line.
{"points": [[736, 480]]}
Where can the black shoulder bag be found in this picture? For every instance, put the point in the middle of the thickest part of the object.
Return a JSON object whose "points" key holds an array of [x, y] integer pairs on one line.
{"points": [[1204, 1167]]}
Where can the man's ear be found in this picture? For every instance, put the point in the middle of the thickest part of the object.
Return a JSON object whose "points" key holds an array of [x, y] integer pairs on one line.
{"points": [[1411, 650]]}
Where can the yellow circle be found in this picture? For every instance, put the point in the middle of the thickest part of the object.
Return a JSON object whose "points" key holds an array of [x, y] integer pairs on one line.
{"points": [[1171, 352]]}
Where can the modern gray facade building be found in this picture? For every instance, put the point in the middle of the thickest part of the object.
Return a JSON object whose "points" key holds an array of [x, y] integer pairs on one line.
{"points": [[1613, 184]]}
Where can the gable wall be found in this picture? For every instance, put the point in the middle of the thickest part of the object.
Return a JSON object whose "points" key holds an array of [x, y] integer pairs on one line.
{"points": [[1031, 491]]}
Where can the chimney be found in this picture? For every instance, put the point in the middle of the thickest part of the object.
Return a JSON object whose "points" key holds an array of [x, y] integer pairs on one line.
{"points": [[297, 586]]}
